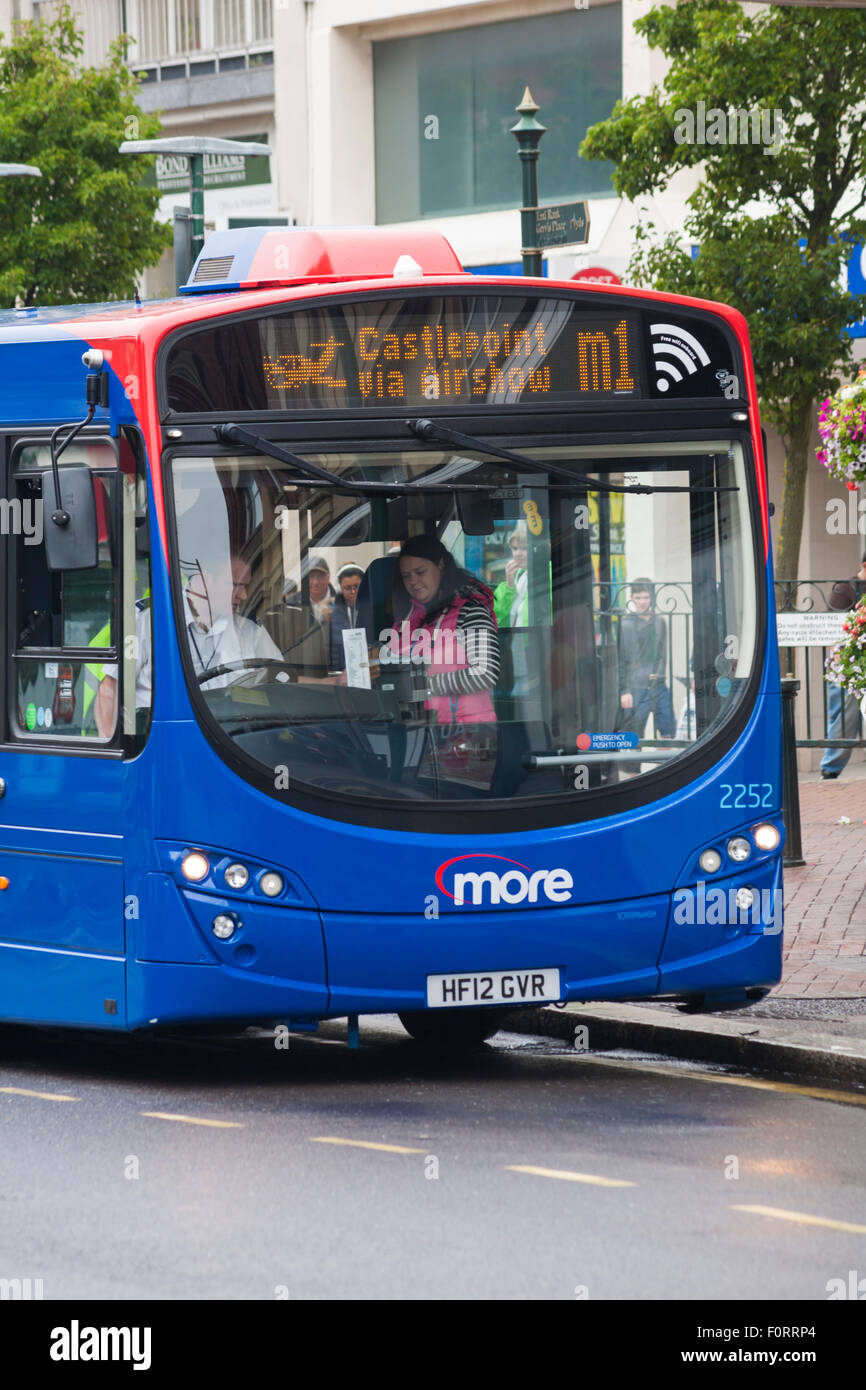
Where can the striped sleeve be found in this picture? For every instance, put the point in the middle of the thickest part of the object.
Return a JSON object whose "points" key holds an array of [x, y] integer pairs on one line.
{"points": [[477, 627]]}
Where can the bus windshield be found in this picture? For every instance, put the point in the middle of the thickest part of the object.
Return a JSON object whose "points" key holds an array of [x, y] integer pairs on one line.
{"points": [[528, 638]]}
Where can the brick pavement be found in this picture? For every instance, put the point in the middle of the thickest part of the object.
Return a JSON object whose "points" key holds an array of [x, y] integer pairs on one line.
{"points": [[825, 901]]}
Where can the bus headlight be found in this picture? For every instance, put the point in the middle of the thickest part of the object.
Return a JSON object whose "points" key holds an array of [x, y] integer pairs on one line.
{"points": [[271, 884], [195, 866], [225, 924], [710, 861], [745, 898], [739, 849], [766, 836], [237, 875]]}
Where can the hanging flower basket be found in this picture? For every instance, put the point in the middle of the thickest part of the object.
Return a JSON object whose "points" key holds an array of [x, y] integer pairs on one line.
{"points": [[842, 427], [846, 664]]}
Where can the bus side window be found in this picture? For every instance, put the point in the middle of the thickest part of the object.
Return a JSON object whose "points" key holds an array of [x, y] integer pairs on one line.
{"points": [[136, 600], [133, 673], [64, 623]]}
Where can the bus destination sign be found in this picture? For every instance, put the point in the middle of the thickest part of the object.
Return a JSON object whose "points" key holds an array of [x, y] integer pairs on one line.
{"points": [[432, 362], [504, 349]]}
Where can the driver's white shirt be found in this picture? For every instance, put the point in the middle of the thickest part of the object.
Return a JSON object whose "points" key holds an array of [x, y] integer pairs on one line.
{"points": [[230, 639]]}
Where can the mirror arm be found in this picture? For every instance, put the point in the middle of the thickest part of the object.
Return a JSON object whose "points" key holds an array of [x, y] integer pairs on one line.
{"points": [[61, 517]]}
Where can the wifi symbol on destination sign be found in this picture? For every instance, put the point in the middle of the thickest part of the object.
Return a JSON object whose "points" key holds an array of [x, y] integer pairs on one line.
{"points": [[670, 342]]}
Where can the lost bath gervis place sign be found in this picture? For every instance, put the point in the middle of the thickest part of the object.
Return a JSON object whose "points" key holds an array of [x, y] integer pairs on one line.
{"points": [[809, 629], [562, 224]]}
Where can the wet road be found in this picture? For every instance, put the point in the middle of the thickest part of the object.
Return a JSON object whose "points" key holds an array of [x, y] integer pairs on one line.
{"points": [[229, 1168]]}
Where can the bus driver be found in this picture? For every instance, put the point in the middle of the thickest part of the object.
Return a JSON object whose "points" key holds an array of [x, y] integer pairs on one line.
{"points": [[217, 633]]}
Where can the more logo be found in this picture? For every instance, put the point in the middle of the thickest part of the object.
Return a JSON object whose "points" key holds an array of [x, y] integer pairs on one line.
{"points": [[512, 886]]}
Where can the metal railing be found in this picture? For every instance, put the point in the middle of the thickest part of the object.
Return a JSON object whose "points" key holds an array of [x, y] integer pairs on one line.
{"points": [[807, 665]]}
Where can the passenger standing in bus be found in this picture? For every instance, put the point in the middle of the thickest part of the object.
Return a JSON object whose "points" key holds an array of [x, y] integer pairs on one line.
{"points": [[449, 616], [319, 586], [344, 616], [642, 654], [301, 623], [511, 597]]}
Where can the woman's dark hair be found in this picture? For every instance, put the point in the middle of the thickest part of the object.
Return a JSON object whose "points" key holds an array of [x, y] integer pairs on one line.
{"points": [[426, 547]]}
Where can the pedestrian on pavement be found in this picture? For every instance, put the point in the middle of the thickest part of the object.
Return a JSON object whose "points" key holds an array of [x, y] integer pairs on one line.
{"points": [[642, 655], [843, 707]]}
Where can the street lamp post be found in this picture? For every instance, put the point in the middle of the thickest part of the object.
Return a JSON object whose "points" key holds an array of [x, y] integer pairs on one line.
{"points": [[194, 148], [528, 132], [14, 171]]}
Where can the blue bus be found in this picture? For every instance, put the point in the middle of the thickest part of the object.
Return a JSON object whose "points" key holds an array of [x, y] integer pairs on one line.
{"points": [[383, 638]]}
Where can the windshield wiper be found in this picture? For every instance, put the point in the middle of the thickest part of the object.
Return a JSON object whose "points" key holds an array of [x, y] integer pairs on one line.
{"points": [[428, 430], [234, 434]]}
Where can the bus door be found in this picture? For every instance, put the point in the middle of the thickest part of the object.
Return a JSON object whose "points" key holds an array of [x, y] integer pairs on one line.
{"points": [[62, 939]]}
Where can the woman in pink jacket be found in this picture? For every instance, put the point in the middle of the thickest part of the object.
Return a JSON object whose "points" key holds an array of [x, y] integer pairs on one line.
{"points": [[448, 617]]}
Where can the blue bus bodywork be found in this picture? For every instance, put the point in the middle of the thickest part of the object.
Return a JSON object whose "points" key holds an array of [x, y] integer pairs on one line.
{"points": [[99, 927]]}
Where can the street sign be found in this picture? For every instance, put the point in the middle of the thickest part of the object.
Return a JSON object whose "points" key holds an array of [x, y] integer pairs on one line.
{"points": [[170, 173], [809, 629], [563, 224]]}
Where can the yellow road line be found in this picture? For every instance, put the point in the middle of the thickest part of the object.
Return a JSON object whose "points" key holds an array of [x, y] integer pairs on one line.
{"points": [[804, 1218], [815, 1092], [40, 1095], [190, 1120], [366, 1144], [567, 1176]]}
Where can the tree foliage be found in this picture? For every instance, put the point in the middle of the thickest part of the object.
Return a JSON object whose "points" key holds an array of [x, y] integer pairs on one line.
{"points": [[774, 229], [83, 230]]}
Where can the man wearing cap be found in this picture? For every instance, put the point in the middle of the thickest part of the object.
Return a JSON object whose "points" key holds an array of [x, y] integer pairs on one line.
{"points": [[319, 584], [843, 707], [301, 622], [344, 616]]}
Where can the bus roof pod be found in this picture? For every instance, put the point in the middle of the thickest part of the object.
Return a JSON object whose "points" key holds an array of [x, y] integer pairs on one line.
{"points": [[254, 257]]}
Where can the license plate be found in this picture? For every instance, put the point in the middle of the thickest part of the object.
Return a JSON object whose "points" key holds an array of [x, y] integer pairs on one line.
{"points": [[493, 987]]}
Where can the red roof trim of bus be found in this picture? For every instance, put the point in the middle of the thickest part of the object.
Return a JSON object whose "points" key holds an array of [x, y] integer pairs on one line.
{"points": [[133, 337]]}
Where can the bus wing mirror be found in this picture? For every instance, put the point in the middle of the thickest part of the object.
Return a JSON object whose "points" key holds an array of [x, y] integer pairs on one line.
{"points": [[70, 544]]}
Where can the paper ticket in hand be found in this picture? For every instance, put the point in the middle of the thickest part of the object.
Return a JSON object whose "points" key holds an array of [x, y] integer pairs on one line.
{"points": [[357, 660]]}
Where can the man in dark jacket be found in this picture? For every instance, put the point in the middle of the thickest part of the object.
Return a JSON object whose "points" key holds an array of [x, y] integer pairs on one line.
{"points": [[300, 625], [344, 615], [642, 655]]}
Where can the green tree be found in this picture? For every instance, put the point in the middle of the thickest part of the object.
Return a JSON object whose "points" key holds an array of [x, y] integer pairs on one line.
{"points": [[774, 226], [84, 229]]}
